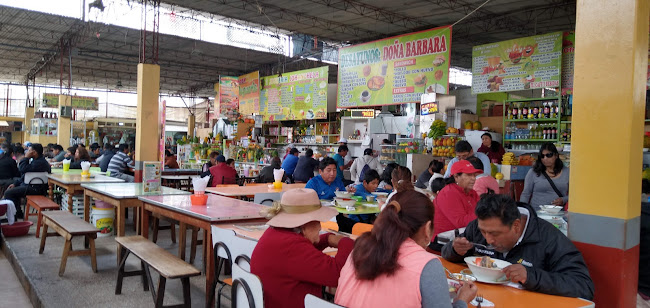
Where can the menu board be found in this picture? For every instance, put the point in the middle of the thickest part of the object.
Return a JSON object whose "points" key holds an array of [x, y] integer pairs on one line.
{"points": [[396, 70], [295, 96], [249, 93], [76, 102], [568, 56], [526, 63], [151, 176], [229, 97]]}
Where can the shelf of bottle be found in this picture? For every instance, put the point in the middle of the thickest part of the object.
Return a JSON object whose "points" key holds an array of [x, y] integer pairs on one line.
{"points": [[565, 142], [532, 120], [565, 122], [532, 99], [530, 140]]}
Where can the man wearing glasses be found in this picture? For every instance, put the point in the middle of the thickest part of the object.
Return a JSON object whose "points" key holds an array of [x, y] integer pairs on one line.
{"points": [[463, 151]]}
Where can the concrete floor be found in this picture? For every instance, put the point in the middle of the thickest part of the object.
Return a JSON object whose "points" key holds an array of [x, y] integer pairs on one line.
{"points": [[79, 286]]}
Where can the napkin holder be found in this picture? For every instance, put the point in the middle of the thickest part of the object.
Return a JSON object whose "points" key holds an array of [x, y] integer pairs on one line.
{"points": [[199, 199]]}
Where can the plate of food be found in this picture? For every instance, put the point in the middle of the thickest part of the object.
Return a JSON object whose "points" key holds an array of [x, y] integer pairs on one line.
{"points": [[376, 83], [487, 269], [435, 88]]}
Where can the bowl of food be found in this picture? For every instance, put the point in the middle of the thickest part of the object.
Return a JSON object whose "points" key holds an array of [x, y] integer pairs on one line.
{"points": [[342, 202], [487, 269], [380, 194], [343, 194], [552, 209]]}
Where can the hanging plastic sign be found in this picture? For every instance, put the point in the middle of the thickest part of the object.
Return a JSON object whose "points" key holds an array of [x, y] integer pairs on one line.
{"points": [[429, 108], [362, 114]]}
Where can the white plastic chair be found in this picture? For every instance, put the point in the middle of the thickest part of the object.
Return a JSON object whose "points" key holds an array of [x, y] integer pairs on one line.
{"points": [[241, 249], [221, 239], [246, 289], [312, 301], [267, 198], [35, 178]]}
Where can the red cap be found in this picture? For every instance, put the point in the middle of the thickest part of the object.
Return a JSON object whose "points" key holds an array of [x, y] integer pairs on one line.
{"points": [[463, 166]]}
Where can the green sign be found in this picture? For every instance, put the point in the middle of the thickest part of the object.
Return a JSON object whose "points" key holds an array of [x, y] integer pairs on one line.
{"points": [[568, 56], [526, 63], [295, 96], [396, 70], [76, 102]]}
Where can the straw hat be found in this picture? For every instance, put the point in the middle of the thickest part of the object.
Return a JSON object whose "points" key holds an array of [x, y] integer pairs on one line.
{"points": [[298, 207]]}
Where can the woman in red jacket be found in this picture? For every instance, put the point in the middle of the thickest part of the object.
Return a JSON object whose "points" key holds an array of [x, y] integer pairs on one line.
{"points": [[455, 204], [491, 148], [288, 258]]}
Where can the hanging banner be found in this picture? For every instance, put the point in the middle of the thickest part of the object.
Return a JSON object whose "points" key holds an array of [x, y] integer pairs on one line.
{"points": [[76, 102], [249, 93], [229, 97], [215, 108], [162, 106], [568, 55], [429, 108], [295, 96], [396, 70], [526, 63]]}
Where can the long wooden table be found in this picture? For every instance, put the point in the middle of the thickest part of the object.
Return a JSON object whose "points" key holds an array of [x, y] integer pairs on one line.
{"points": [[500, 295], [218, 210], [71, 182], [122, 196], [240, 191]]}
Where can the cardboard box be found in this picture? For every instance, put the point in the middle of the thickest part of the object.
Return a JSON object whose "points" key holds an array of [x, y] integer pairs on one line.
{"points": [[497, 110]]}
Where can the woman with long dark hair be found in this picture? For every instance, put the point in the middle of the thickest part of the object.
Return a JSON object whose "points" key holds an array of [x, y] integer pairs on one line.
{"points": [[548, 181], [391, 259], [81, 154], [491, 148]]}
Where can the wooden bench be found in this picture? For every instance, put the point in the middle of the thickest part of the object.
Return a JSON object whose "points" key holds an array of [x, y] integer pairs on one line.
{"points": [[152, 255], [67, 225], [39, 203]]}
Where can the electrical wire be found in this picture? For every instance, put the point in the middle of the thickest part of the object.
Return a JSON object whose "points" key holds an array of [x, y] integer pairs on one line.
{"points": [[470, 13]]}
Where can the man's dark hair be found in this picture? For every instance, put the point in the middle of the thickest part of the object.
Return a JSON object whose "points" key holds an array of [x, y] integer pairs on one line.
{"points": [[436, 166], [367, 152], [437, 185], [343, 148], [94, 146], [123, 147], [168, 153], [326, 162], [19, 150], [8, 148], [499, 206], [214, 154], [229, 161], [108, 146], [38, 148], [371, 175], [58, 147], [72, 150], [476, 162], [309, 153], [463, 146]]}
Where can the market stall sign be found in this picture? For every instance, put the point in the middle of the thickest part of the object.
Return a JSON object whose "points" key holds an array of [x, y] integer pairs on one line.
{"points": [[362, 113], [429, 108], [229, 97], [526, 63], [249, 93], [295, 96], [568, 55], [396, 70], [76, 102]]}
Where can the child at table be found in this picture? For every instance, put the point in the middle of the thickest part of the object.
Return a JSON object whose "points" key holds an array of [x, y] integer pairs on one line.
{"points": [[366, 188]]}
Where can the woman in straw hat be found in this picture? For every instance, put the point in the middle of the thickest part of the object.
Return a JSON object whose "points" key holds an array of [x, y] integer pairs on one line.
{"points": [[288, 258], [391, 259]]}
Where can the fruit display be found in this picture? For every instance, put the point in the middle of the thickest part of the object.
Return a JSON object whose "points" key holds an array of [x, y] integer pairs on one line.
{"points": [[498, 176], [444, 147], [438, 129], [451, 130], [509, 159], [410, 146]]}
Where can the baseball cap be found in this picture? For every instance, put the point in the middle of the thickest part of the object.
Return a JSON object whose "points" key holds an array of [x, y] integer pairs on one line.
{"points": [[28, 144], [221, 158], [294, 151], [343, 140], [463, 166]]}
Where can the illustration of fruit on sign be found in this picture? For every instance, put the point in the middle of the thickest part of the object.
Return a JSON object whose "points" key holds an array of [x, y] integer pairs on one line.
{"points": [[529, 50]]}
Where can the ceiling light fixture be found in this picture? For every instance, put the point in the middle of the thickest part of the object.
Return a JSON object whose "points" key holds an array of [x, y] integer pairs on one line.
{"points": [[98, 4]]}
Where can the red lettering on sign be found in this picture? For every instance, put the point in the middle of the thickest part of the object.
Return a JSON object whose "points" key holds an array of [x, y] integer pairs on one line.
{"points": [[402, 90], [404, 63]]}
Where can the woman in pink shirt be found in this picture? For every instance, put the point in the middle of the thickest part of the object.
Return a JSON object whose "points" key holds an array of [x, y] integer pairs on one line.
{"points": [[484, 183], [391, 260]]}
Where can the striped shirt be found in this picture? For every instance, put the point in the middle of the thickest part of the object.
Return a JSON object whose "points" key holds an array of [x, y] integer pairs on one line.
{"points": [[119, 163]]}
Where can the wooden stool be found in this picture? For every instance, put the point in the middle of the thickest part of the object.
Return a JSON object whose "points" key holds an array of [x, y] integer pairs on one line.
{"points": [[40, 203], [152, 255], [67, 225]]}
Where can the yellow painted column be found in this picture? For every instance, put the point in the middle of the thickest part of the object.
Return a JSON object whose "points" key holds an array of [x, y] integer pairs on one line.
{"points": [[606, 158], [191, 125], [63, 123], [147, 121], [29, 115]]}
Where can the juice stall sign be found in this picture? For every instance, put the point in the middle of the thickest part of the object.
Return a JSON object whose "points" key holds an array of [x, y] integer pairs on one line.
{"points": [[249, 93], [295, 96], [229, 97], [526, 63], [396, 70], [568, 56]]}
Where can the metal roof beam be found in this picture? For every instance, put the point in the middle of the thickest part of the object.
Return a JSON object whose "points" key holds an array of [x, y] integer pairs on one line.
{"points": [[370, 11]]}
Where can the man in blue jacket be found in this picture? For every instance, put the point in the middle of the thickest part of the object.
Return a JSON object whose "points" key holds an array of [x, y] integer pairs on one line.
{"points": [[543, 259], [19, 188], [290, 162]]}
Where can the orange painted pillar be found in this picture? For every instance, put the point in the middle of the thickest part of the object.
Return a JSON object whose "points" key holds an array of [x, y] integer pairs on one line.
{"points": [[606, 158]]}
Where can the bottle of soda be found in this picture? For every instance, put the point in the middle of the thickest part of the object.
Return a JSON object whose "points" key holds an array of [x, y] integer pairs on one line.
{"points": [[545, 132], [536, 111], [546, 111], [524, 112], [509, 113], [554, 133], [515, 112]]}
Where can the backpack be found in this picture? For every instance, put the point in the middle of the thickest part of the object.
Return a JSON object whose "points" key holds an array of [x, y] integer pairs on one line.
{"points": [[365, 169]]}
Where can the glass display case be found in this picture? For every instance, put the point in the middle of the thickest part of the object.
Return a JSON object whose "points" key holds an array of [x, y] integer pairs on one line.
{"points": [[410, 145], [388, 154], [78, 133], [43, 126]]}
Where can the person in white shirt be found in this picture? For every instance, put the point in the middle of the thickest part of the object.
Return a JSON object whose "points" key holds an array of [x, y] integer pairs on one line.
{"points": [[360, 163]]}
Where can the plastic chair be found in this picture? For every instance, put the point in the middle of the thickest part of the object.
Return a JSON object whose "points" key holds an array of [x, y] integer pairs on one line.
{"points": [[221, 239], [267, 198], [361, 228], [332, 225], [312, 301], [246, 289]]}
